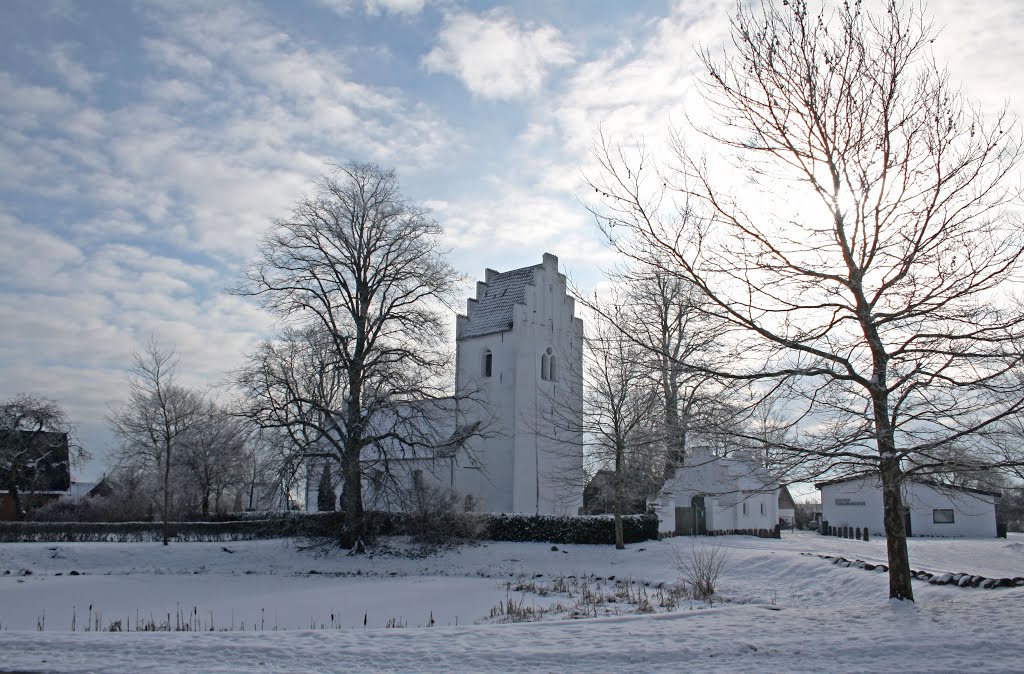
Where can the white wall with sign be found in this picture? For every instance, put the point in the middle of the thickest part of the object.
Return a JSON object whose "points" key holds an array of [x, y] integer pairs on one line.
{"points": [[934, 510]]}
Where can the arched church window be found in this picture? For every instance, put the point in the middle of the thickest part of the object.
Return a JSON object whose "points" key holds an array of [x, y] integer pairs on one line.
{"points": [[547, 365], [486, 363]]}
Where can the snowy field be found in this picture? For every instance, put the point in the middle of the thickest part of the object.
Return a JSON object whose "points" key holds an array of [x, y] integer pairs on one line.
{"points": [[275, 607]]}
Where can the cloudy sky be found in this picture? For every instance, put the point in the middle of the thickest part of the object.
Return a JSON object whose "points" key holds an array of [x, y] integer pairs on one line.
{"points": [[145, 146]]}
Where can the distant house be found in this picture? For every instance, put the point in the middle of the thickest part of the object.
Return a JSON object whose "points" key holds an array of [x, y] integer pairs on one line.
{"points": [[34, 470], [787, 508], [714, 494], [932, 509]]}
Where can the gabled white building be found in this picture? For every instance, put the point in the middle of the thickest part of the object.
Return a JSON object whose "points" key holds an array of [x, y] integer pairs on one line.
{"points": [[932, 509], [713, 494], [519, 358]]}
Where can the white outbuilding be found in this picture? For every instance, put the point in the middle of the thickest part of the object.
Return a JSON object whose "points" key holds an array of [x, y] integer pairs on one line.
{"points": [[713, 494], [932, 509]]}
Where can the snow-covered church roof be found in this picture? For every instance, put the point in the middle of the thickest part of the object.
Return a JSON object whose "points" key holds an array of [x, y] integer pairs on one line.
{"points": [[493, 309]]}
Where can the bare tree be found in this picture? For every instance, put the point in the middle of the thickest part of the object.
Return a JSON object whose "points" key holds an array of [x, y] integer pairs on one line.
{"points": [[35, 449], [620, 414], [875, 295], [155, 423], [358, 274], [663, 314], [214, 452], [271, 473]]}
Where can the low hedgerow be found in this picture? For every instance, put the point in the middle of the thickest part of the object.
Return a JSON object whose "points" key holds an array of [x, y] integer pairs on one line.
{"points": [[589, 529], [309, 525]]}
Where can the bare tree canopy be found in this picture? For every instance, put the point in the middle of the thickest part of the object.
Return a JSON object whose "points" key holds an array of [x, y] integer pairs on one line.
{"points": [[155, 422], [36, 452], [358, 277], [620, 408], [215, 454], [865, 261]]}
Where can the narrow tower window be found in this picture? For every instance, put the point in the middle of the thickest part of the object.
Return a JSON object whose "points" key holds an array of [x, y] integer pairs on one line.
{"points": [[547, 365], [486, 364]]}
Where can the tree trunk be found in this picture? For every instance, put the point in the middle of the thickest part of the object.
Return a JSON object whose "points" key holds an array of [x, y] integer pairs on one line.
{"points": [[895, 532], [620, 543], [167, 496], [355, 525], [892, 503], [16, 502]]}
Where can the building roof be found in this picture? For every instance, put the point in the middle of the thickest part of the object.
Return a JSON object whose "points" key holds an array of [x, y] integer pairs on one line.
{"points": [[493, 311], [785, 498], [930, 483]]}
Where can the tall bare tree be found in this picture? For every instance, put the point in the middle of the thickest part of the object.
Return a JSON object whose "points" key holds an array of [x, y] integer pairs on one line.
{"points": [[36, 451], [620, 411], [663, 314], [358, 275], [156, 421], [875, 293]]}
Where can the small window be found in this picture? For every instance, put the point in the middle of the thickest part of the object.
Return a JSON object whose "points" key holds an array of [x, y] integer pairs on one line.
{"points": [[762, 509], [547, 365], [744, 507], [487, 364], [942, 516]]}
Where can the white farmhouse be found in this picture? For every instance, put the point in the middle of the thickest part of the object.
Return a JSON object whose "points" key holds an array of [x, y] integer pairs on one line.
{"points": [[519, 358], [932, 509], [713, 494]]}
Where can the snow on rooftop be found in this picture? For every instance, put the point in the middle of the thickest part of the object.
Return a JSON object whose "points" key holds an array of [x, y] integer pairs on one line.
{"points": [[493, 311]]}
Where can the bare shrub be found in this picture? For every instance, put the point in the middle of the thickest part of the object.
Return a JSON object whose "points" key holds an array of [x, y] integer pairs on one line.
{"points": [[700, 569], [439, 518]]}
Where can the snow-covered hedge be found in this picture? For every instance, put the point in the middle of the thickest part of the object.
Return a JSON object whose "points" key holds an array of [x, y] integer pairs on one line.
{"points": [[308, 525], [592, 529]]}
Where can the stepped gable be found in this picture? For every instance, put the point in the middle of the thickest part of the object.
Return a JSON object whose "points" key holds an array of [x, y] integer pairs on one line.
{"points": [[492, 312]]}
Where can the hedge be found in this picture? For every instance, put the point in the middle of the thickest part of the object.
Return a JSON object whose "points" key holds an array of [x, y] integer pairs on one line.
{"points": [[592, 529], [306, 525]]}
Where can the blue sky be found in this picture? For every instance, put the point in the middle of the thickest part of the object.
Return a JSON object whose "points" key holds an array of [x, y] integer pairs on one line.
{"points": [[145, 146]]}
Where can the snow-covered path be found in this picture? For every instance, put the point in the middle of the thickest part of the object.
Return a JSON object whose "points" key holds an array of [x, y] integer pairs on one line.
{"points": [[786, 611]]}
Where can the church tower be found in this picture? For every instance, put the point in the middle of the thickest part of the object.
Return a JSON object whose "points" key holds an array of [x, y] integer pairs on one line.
{"points": [[519, 358]]}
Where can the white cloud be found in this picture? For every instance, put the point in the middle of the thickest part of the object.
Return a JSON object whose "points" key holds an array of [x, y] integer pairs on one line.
{"points": [[394, 6], [374, 7], [496, 58], [339, 7], [76, 76]]}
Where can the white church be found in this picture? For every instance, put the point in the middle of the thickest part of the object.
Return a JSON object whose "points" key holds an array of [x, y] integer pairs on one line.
{"points": [[519, 358]]}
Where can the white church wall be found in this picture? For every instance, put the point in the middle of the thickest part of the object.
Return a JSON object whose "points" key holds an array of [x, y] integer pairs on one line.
{"points": [[488, 473], [526, 459], [522, 463], [548, 457]]}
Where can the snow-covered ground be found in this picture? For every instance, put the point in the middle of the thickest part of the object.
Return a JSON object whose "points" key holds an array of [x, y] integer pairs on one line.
{"points": [[779, 609]]}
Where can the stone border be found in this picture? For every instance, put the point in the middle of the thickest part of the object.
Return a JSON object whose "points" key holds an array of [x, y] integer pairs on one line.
{"points": [[958, 579]]}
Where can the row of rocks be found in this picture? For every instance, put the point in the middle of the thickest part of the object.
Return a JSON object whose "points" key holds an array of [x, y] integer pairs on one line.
{"points": [[957, 579]]}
